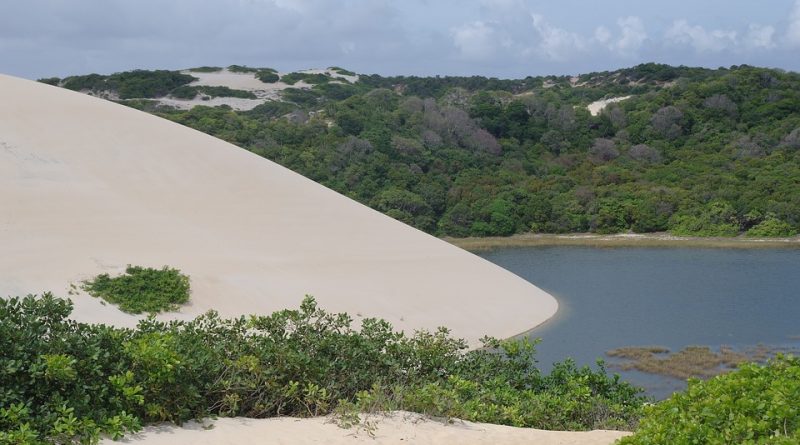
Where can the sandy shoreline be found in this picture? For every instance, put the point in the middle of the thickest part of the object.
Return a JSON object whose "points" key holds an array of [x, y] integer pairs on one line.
{"points": [[622, 240], [397, 428]]}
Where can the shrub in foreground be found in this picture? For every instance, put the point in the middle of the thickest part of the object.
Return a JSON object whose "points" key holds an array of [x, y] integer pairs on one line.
{"points": [[142, 289], [757, 404], [62, 381]]}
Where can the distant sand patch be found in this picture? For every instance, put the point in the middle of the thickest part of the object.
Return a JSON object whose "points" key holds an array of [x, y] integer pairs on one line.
{"points": [[597, 106], [246, 81]]}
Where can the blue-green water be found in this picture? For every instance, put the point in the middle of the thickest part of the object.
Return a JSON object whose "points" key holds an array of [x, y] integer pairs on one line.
{"points": [[673, 297]]}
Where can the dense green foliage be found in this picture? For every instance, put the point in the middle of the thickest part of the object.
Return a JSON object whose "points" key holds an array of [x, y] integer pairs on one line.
{"points": [[206, 69], [190, 92], [267, 75], [62, 380], [693, 151], [142, 289], [293, 78], [130, 84], [756, 404], [342, 71], [243, 69]]}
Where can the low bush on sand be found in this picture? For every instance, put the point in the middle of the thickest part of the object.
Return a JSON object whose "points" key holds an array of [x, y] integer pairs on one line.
{"points": [[142, 289], [68, 382]]}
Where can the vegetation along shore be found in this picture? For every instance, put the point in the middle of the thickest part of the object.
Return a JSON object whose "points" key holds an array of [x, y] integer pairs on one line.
{"points": [[622, 240]]}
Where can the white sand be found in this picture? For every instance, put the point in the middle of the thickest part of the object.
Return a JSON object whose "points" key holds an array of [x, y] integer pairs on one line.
{"points": [[399, 428], [88, 186], [243, 81], [597, 106]]}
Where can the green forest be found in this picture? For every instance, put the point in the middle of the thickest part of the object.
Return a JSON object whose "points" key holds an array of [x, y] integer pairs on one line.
{"points": [[692, 151]]}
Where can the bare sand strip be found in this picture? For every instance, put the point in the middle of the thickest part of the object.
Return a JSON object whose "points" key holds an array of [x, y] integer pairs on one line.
{"points": [[477, 244], [597, 106], [88, 186], [399, 428]]}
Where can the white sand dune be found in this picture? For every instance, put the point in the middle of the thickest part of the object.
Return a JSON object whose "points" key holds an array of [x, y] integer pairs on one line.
{"points": [[399, 428], [597, 106], [243, 81], [88, 186]]}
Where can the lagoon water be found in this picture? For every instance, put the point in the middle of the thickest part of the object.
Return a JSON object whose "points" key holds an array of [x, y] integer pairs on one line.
{"points": [[673, 297]]}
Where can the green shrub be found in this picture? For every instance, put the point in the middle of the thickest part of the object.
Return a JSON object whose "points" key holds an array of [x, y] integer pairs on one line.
{"points": [[336, 91], [300, 97], [92, 82], [136, 84], [716, 218], [50, 81], [63, 381], [142, 289], [190, 92], [268, 76], [342, 71], [753, 405], [146, 84], [185, 92], [59, 380], [206, 69], [772, 227], [241, 69], [309, 78]]}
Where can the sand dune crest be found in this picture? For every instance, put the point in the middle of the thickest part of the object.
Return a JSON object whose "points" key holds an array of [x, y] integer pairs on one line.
{"points": [[89, 186]]}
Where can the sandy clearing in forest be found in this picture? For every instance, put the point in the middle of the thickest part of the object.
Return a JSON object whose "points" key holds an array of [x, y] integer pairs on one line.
{"points": [[246, 82], [597, 106]]}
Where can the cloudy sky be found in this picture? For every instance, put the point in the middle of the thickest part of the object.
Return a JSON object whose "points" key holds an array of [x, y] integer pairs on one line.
{"points": [[504, 38]]}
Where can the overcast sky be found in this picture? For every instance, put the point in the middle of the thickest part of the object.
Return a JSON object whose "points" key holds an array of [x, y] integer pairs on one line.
{"points": [[503, 38]]}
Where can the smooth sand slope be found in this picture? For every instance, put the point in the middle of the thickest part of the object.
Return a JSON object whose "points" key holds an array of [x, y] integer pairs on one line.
{"points": [[399, 428], [88, 186]]}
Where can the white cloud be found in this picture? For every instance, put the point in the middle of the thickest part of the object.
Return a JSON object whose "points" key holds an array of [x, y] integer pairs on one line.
{"points": [[508, 5], [293, 5], [793, 31], [602, 34], [474, 40], [759, 37], [699, 38], [554, 42], [633, 35]]}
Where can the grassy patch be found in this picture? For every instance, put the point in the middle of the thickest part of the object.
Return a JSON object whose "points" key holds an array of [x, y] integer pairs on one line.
{"points": [[190, 92], [309, 78], [691, 362], [241, 69], [142, 289]]}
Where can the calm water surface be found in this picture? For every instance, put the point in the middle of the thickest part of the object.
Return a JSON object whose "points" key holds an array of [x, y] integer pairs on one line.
{"points": [[673, 297]]}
